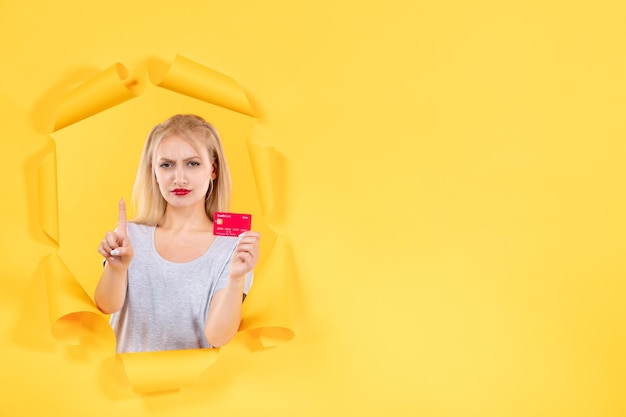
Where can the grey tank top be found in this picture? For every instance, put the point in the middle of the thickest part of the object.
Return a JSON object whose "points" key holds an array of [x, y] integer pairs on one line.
{"points": [[167, 303]]}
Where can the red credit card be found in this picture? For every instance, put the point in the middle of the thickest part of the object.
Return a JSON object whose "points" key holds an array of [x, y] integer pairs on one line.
{"points": [[230, 224]]}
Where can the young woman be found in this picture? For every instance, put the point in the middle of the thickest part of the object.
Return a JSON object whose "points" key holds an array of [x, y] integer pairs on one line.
{"points": [[168, 282]]}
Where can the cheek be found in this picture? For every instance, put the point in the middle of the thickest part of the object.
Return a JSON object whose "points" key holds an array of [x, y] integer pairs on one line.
{"points": [[159, 178]]}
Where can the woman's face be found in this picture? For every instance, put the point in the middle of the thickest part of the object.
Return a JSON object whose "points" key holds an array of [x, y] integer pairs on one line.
{"points": [[182, 173]]}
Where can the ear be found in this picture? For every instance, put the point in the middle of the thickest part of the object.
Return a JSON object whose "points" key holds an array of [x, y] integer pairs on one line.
{"points": [[213, 171]]}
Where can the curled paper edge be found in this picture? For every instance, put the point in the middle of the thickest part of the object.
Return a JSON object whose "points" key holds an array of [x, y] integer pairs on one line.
{"points": [[47, 194], [268, 170], [272, 324], [68, 303], [191, 79], [263, 160], [103, 91], [176, 368]]}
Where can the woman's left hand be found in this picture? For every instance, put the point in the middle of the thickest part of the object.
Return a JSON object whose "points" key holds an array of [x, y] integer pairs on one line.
{"points": [[246, 254]]}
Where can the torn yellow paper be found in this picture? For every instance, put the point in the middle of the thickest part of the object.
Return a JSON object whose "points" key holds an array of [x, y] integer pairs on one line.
{"points": [[268, 311], [74, 317], [68, 302], [48, 196], [266, 166], [166, 370], [194, 80], [107, 89]]}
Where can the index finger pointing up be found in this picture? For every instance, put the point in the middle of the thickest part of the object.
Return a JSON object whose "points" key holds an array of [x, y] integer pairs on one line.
{"points": [[121, 223]]}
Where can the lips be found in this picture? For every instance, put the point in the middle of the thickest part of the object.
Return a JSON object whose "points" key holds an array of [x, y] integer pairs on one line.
{"points": [[180, 191]]}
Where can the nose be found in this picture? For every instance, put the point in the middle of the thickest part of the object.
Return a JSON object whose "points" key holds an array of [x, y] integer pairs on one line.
{"points": [[180, 175]]}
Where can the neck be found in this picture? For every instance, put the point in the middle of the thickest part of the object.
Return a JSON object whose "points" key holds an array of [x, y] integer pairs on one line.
{"points": [[185, 218]]}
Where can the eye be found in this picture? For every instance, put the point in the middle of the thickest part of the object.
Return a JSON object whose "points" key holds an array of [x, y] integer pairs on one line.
{"points": [[194, 163], [165, 164]]}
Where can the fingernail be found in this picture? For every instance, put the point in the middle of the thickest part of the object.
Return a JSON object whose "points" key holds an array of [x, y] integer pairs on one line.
{"points": [[241, 234], [115, 252]]}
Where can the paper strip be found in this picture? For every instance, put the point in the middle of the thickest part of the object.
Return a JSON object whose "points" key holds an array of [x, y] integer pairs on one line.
{"points": [[194, 80], [268, 310], [166, 370], [264, 162], [48, 197], [107, 89], [268, 168], [69, 304]]}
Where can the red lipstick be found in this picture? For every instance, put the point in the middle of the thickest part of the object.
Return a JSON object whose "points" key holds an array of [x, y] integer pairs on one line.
{"points": [[180, 191]]}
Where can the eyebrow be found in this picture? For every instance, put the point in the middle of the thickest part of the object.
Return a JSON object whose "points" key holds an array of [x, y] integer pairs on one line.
{"points": [[173, 160]]}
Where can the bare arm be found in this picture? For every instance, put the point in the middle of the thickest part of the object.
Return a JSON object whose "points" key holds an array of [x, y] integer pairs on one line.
{"points": [[224, 314], [111, 290]]}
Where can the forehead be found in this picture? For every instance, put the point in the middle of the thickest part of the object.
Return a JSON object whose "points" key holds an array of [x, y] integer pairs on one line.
{"points": [[181, 146]]}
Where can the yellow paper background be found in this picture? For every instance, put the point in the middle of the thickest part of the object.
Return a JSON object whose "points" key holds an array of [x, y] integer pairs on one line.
{"points": [[451, 184]]}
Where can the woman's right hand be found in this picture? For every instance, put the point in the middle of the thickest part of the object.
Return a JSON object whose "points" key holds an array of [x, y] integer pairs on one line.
{"points": [[116, 247]]}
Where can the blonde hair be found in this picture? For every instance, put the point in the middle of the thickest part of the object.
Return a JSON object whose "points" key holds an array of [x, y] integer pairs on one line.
{"points": [[147, 197]]}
